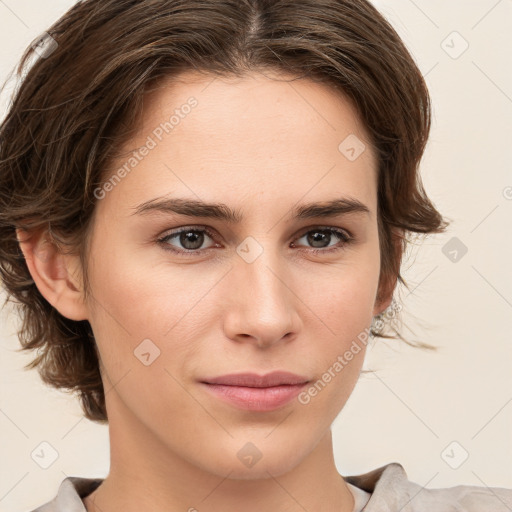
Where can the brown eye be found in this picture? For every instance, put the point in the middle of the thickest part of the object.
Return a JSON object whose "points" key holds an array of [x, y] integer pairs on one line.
{"points": [[190, 240], [320, 239]]}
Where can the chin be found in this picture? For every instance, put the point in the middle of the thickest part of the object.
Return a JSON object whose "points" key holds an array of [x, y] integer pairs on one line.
{"points": [[256, 461]]}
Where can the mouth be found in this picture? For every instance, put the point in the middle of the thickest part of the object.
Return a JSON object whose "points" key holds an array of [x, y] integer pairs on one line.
{"points": [[253, 392]]}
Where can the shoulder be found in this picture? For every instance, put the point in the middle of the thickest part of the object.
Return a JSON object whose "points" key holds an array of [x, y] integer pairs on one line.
{"points": [[69, 495], [391, 491]]}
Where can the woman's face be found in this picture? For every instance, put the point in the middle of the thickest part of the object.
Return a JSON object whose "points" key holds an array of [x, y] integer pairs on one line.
{"points": [[268, 290]]}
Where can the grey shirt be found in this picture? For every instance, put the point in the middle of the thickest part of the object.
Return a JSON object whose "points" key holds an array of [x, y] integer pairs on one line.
{"points": [[385, 489]]}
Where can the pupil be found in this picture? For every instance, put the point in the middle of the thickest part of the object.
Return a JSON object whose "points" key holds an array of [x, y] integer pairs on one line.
{"points": [[317, 236], [195, 239]]}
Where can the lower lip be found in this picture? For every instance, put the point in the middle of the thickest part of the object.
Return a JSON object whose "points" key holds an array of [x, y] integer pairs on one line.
{"points": [[256, 399]]}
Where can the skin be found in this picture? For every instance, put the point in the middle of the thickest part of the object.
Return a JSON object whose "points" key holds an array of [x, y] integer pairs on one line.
{"points": [[261, 146]]}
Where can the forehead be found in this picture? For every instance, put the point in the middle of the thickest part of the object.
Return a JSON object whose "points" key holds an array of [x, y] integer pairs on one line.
{"points": [[269, 135], [264, 104]]}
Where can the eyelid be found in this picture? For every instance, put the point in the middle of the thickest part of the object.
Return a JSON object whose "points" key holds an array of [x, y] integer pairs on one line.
{"points": [[177, 231], [320, 227], [344, 234], [211, 232]]}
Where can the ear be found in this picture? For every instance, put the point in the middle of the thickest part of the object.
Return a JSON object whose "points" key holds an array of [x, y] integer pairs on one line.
{"points": [[54, 273], [387, 283], [385, 300]]}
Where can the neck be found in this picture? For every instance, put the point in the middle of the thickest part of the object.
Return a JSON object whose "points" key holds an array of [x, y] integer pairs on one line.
{"points": [[145, 474]]}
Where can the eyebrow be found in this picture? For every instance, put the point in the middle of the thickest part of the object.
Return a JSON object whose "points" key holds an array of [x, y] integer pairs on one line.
{"points": [[220, 211]]}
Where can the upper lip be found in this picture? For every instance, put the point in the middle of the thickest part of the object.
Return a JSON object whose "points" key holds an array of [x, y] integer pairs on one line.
{"points": [[254, 380]]}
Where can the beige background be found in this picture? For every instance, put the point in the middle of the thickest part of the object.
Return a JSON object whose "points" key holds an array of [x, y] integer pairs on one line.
{"points": [[417, 403]]}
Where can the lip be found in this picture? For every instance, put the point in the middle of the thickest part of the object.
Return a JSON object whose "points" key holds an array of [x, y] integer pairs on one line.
{"points": [[254, 392]]}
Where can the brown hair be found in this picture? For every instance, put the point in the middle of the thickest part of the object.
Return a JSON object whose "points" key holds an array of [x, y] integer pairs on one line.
{"points": [[77, 103]]}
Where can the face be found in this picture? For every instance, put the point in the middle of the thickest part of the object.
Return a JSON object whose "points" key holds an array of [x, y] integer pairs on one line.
{"points": [[184, 294]]}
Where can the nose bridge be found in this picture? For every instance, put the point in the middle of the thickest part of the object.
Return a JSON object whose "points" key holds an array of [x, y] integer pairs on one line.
{"points": [[262, 308], [262, 270]]}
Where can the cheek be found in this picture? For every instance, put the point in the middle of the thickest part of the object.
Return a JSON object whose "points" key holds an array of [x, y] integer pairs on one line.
{"points": [[344, 294], [345, 308], [139, 322], [140, 296]]}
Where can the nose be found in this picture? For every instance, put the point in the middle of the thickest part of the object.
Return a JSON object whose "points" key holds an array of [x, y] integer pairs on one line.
{"points": [[262, 306]]}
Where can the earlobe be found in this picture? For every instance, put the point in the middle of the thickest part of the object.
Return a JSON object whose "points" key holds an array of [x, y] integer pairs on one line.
{"points": [[52, 273], [382, 305]]}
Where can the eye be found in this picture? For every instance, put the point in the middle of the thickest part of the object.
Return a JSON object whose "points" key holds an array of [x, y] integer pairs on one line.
{"points": [[192, 239], [320, 236]]}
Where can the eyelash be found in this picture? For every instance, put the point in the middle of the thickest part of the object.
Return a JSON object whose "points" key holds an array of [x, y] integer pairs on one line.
{"points": [[346, 238]]}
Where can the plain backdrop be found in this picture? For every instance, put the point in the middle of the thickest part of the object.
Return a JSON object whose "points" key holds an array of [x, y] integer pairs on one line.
{"points": [[445, 416]]}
